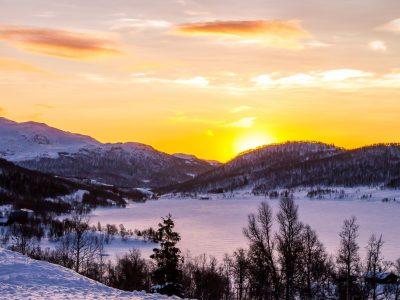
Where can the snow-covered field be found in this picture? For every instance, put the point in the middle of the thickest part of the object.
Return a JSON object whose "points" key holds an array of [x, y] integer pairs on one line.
{"points": [[215, 226], [24, 278]]}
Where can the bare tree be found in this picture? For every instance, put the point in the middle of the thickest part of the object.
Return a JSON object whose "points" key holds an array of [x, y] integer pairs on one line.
{"points": [[240, 269], [81, 244], [374, 263], [315, 268], [263, 270], [24, 237], [130, 273], [348, 259], [289, 244]]}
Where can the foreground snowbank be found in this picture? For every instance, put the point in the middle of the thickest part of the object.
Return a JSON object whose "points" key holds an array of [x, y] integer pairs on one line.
{"points": [[25, 278]]}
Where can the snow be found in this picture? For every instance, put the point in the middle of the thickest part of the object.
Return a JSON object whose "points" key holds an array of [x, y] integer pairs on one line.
{"points": [[29, 140], [76, 196], [145, 191], [215, 226], [25, 278]]}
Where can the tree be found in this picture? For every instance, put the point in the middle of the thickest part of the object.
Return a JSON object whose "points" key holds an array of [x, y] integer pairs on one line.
{"points": [[316, 266], [80, 244], [264, 279], [130, 273], [374, 263], [348, 259], [168, 259], [24, 237], [205, 279], [240, 270], [289, 245]]}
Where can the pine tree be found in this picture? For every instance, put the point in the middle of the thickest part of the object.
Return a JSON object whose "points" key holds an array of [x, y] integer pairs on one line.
{"points": [[168, 259]]}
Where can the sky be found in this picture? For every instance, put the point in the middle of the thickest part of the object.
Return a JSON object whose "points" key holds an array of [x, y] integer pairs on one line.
{"points": [[210, 78]]}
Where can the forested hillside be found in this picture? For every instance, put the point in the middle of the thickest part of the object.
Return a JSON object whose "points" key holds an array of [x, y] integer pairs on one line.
{"points": [[302, 164]]}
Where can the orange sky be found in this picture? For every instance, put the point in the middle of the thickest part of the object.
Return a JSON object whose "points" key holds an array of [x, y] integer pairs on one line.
{"points": [[211, 78]]}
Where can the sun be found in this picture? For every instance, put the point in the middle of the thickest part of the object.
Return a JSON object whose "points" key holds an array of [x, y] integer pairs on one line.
{"points": [[252, 141]]}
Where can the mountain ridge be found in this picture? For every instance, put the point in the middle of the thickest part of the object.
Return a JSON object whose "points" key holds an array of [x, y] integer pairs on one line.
{"points": [[40, 147]]}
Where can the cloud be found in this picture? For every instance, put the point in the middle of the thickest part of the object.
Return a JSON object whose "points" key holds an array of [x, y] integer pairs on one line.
{"points": [[129, 24], [239, 109], [378, 46], [246, 122], [392, 26], [195, 13], [299, 79], [337, 78], [16, 66], [342, 74], [198, 81], [58, 43], [271, 33]]}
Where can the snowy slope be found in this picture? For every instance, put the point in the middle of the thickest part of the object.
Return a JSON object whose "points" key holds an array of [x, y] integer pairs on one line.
{"points": [[24, 278], [29, 140]]}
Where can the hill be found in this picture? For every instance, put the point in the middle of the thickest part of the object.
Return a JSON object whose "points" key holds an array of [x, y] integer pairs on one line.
{"points": [[295, 164], [44, 193]]}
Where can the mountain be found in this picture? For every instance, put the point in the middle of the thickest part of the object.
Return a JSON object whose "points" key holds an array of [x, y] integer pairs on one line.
{"points": [[45, 193], [295, 164], [25, 278], [40, 147]]}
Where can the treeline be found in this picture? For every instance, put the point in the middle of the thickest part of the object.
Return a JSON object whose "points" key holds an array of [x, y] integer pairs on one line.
{"points": [[287, 263]]}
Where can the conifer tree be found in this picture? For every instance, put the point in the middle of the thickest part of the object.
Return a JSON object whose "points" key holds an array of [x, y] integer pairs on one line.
{"points": [[168, 259]]}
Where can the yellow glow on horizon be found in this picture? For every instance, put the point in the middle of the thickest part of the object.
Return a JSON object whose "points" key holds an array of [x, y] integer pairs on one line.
{"points": [[252, 141]]}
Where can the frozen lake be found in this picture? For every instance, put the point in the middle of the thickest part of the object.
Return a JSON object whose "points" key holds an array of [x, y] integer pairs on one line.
{"points": [[215, 226]]}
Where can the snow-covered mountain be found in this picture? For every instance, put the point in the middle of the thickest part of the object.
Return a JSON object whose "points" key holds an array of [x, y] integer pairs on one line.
{"points": [[296, 164], [40, 147], [30, 140], [25, 278]]}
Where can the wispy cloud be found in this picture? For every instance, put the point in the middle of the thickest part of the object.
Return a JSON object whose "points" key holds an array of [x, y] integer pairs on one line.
{"points": [[246, 122], [195, 13], [392, 26], [131, 24], [378, 46], [198, 81], [239, 109], [331, 79], [272, 33], [59, 43]]}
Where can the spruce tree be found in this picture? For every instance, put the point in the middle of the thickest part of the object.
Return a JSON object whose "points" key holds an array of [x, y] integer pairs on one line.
{"points": [[168, 259]]}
